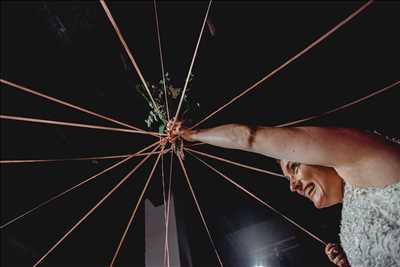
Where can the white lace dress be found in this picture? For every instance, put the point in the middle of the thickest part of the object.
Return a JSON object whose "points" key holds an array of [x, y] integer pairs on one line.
{"points": [[370, 227]]}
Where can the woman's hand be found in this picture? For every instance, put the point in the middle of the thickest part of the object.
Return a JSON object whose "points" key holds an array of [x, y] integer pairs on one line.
{"points": [[177, 130], [336, 255], [187, 134]]}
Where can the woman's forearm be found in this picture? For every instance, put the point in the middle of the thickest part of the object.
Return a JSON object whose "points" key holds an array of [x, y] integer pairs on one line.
{"points": [[311, 145], [234, 136]]}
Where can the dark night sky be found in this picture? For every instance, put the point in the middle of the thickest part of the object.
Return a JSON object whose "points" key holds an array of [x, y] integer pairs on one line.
{"points": [[69, 50]]}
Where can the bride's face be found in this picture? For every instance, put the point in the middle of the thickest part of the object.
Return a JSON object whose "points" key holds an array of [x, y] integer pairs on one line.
{"points": [[322, 185]]}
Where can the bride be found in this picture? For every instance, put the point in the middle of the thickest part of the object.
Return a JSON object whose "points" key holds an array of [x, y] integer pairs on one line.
{"points": [[330, 166]]}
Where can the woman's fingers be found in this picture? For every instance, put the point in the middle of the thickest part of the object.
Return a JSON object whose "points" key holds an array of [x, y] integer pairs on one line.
{"points": [[328, 247], [336, 255], [338, 258], [343, 263], [331, 251]]}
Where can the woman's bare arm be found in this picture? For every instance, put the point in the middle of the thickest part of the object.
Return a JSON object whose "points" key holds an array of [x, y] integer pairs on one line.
{"points": [[310, 145], [349, 151]]}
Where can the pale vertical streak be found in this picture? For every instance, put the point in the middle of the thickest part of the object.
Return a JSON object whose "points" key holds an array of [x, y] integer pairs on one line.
{"points": [[168, 207], [74, 187], [31, 91], [199, 210], [236, 163], [161, 59], [341, 107], [305, 50], [163, 185], [127, 50], [93, 209], [135, 209], [261, 201], [71, 124], [191, 64], [165, 206]]}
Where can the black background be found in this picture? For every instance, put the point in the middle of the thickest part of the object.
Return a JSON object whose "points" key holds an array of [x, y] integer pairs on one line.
{"points": [[69, 50]]}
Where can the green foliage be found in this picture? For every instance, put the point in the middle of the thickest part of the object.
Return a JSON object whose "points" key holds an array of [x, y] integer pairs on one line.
{"points": [[157, 118]]}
